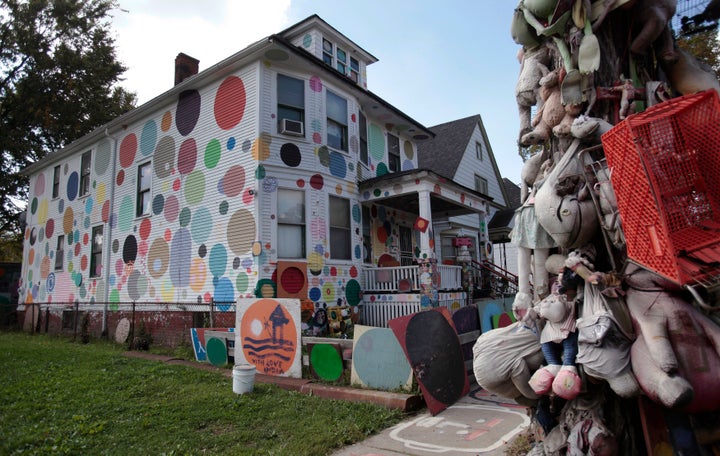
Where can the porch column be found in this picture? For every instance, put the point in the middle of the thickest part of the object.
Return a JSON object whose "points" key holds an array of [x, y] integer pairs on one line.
{"points": [[427, 262]]}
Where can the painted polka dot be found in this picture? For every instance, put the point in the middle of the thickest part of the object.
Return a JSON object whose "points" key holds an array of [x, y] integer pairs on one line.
{"points": [[185, 216], [224, 293], [128, 149], [72, 186], [328, 291], [315, 84], [129, 249], [164, 157], [68, 220], [172, 208], [223, 207], [120, 177], [105, 213], [408, 149], [158, 257], [241, 282], [218, 260], [261, 147], [145, 228], [212, 153], [194, 187], [187, 156], [315, 263], [315, 294], [230, 102], [180, 255], [234, 181], [40, 184], [290, 155], [198, 274], [201, 225], [248, 196], [49, 228], [188, 111], [166, 121], [148, 138], [126, 213], [353, 294], [241, 231], [323, 154], [381, 169], [137, 285], [230, 143], [42, 211], [317, 182], [158, 204]]}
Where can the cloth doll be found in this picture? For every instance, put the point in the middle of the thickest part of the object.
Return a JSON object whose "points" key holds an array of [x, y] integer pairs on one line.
{"points": [[559, 336]]}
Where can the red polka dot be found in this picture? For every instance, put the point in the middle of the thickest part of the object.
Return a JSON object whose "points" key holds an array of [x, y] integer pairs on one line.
{"points": [[248, 196], [317, 182], [85, 239], [120, 177], [128, 149], [300, 183], [230, 103], [333, 271], [106, 211], [84, 262], [168, 235], [353, 272], [176, 184], [145, 227]]}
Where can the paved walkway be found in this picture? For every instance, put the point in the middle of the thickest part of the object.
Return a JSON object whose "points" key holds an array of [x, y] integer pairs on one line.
{"points": [[478, 424]]}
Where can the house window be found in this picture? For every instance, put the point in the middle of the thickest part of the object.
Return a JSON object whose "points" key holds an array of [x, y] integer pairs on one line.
{"points": [[479, 150], [85, 163], [393, 153], [354, 70], [56, 182], [341, 64], [367, 235], [291, 99], [364, 158], [328, 52], [481, 185], [143, 190], [291, 223], [337, 130], [339, 228], [447, 250], [60, 253], [96, 251]]}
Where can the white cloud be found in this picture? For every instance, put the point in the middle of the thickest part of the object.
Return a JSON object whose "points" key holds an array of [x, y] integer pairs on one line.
{"points": [[151, 34]]}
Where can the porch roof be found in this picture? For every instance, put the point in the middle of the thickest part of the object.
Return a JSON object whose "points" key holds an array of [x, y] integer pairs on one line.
{"points": [[400, 191]]}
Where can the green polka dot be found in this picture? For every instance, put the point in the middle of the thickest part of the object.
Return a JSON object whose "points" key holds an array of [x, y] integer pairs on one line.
{"points": [[223, 207], [241, 282], [194, 187], [326, 361], [126, 213], [212, 154], [185, 217]]}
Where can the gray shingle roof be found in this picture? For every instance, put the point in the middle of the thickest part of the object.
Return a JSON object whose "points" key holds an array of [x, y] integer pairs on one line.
{"points": [[444, 153]]}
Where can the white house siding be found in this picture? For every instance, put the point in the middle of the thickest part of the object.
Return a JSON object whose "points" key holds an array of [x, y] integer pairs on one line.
{"points": [[195, 245]]}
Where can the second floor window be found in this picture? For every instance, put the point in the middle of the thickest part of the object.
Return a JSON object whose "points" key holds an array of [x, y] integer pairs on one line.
{"points": [[363, 139], [481, 185], [340, 239], [337, 129], [96, 250], [143, 189], [60, 253], [290, 99], [290, 223], [479, 150], [393, 153], [85, 164], [56, 182]]}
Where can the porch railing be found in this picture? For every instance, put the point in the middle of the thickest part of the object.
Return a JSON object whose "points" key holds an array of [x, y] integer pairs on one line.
{"points": [[406, 279]]}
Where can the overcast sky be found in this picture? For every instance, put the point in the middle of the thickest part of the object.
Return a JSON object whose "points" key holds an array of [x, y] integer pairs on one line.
{"points": [[437, 61]]}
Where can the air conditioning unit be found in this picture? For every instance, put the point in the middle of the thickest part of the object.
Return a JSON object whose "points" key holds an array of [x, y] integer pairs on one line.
{"points": [[291, 127]]}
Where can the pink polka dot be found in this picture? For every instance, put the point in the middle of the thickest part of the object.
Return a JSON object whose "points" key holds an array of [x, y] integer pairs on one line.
{"points": [[317, 139], [316, 84]]}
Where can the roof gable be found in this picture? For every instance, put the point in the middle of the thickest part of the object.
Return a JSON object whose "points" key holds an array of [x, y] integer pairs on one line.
{"points": [[444, 153]]}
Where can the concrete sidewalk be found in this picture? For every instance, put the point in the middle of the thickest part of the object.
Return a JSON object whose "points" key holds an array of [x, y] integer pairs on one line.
{"points": [[478, 424]]}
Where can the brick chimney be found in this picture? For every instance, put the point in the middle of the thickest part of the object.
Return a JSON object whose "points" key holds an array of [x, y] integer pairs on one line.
{"points": [[185, 66]]}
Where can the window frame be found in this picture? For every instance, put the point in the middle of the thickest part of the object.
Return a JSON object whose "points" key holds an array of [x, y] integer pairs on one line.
{"points": [[393, 153], [479, 149], [56, 182], [483, 182], [354, 70], [143, 194], [284, 105], [334, 228], [96, 251], [60, 253], [280, 222], [366, 234], [85, 173], [343, 127]]}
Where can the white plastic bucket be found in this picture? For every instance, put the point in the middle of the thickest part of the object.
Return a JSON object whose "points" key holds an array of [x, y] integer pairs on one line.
{"points": [[243, 378]]}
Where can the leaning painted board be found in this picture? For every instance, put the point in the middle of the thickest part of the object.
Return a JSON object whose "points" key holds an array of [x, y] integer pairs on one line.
{"points": [[433, 349], [378, 360], [268, 336]]}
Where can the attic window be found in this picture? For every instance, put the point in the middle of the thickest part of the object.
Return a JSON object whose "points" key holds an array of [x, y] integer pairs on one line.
{"points": [[479, 150], [337, 58], [354, 70]]}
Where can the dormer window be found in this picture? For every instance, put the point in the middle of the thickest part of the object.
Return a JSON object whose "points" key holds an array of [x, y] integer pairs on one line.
{"points": [[354, 70], [338, 58]]}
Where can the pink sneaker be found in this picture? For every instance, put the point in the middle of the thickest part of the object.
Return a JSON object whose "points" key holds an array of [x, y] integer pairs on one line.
{"points": [[567, 383], [542, 380]]}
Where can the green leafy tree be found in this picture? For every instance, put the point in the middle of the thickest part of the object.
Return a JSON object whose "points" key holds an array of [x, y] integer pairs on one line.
{"points": [[59, 79]]}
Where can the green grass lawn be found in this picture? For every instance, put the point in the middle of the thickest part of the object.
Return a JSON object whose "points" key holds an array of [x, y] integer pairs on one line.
{"points": [[60, 397]]}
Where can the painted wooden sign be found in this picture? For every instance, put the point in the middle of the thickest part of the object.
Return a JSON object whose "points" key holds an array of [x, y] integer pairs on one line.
{"points": [[378, 360], [433, 350], [199, 341], [268, 336]]}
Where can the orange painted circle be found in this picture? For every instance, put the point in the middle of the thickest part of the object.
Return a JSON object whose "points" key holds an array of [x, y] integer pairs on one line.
{"points": [[269, 337]]}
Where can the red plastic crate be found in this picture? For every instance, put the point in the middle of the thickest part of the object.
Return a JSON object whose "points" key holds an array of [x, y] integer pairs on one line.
{"points": [[665, 170]]}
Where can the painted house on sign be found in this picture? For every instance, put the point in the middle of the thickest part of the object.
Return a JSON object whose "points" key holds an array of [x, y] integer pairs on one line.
{"points": [[275, 172]]}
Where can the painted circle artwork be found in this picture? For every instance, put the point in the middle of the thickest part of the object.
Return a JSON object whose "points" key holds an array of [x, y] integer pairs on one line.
{"points": [[326, 361], [292, 280], [216, 351], [370, 346], [188, 111], [269, 337], [230, 103]]}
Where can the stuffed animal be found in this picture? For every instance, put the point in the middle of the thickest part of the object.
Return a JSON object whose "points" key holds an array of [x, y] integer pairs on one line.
{"points": [[549, 114], [652, 17], [505, 358], [534, 66], [676, 355]]}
